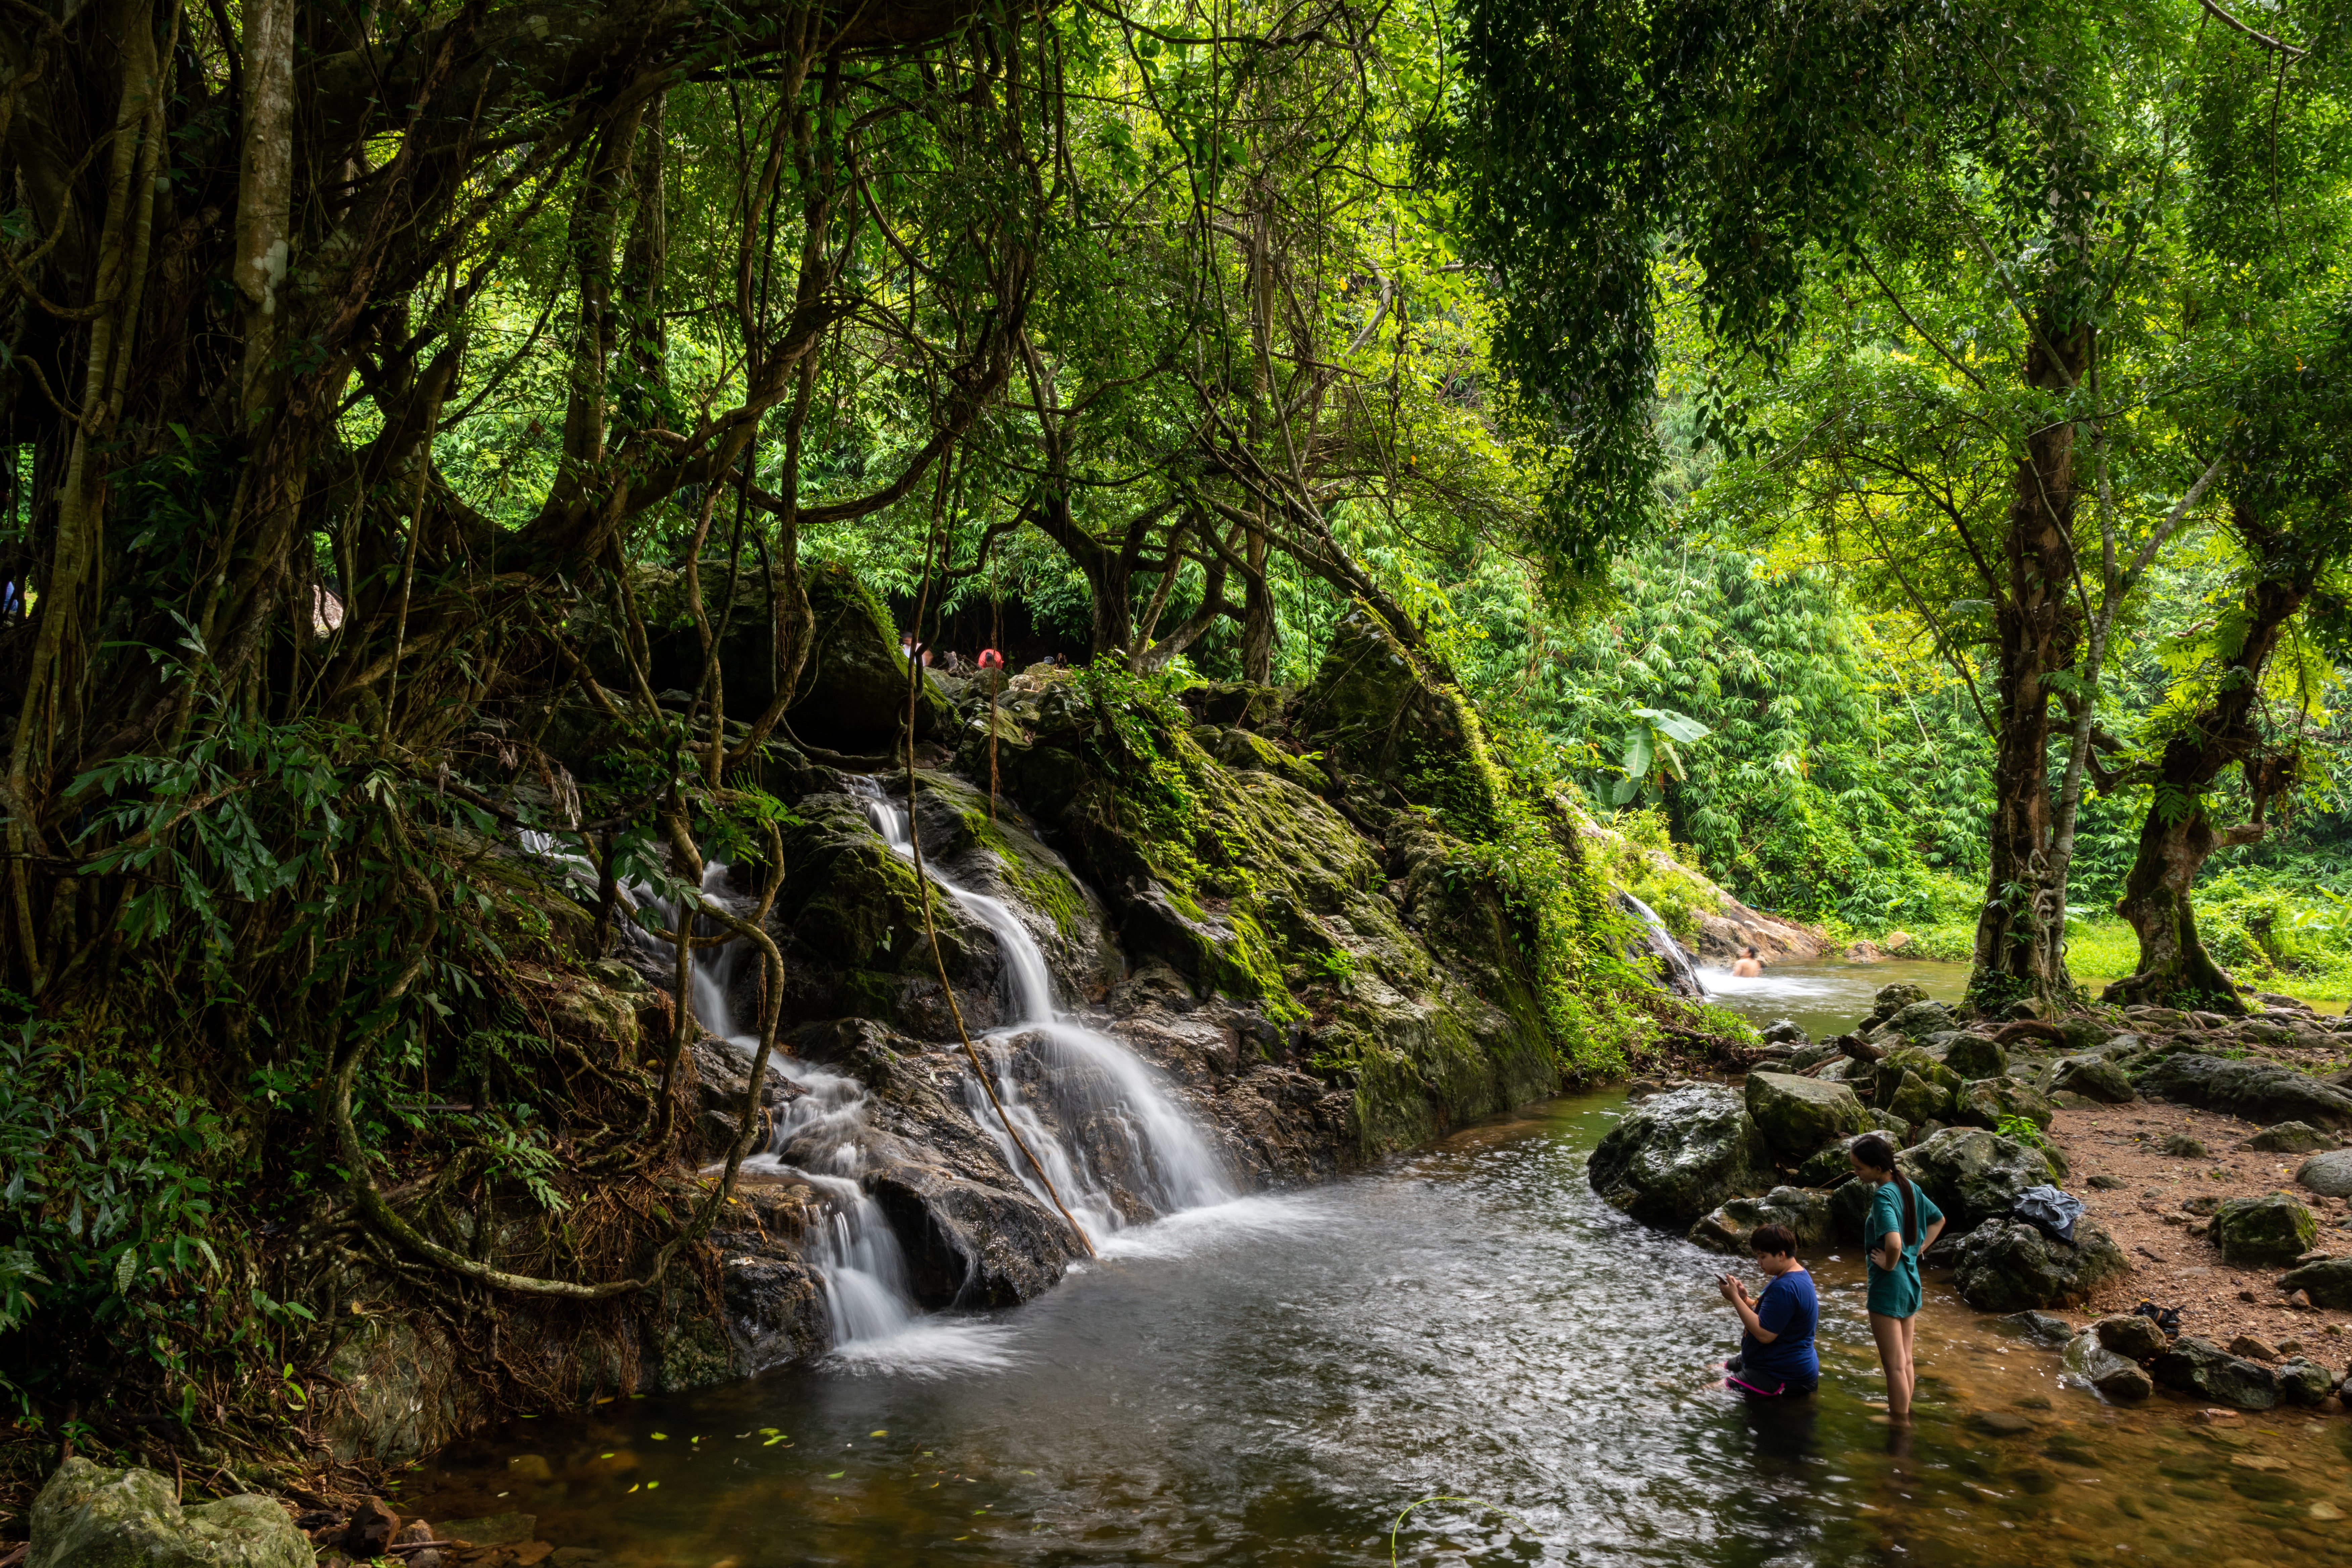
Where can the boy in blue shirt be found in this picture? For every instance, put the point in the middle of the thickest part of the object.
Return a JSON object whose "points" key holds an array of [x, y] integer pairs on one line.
{"points": [[1776, 1359]]}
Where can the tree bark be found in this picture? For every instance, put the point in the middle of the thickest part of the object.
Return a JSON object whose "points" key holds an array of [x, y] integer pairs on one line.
{"points": [[2179, 835], [2015, 950]]}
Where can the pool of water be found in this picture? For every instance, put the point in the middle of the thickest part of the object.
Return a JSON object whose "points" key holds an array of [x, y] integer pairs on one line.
{"points": [[1828, 995], [1273, 1381]]}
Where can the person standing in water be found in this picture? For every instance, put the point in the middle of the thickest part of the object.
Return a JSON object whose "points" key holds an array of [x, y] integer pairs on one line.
{"points": [[1747, 966], [1776, 1359], [1903, 1222]]}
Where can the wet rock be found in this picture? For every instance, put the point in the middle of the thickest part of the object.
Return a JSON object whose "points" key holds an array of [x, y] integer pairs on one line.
{"points": [[1828, 1165], [1849, 1212], [2002, 1423], [2182, 1146], [2303, 1381], [2004, 1267], [2251, 1089], [1678, 1155], [1797, 1115], [373, 1525], [2129, 1334], [775, 1308], [2094, 1078], [87, 1516], [2116, 1376], [1976, 1057], [1975, 1175], [2328, 1174], [1897, 1129], [1988, 1103], [1805, 1211], [2038, 1326], [2204, 1369], [2289, 1138], [2328, 1282], [854, 696], [967, 1244], [2262, 1232], [1785, 1032]]}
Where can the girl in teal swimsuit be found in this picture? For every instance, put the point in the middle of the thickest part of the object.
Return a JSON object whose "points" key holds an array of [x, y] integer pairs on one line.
{"points": [[1903, 1222]]}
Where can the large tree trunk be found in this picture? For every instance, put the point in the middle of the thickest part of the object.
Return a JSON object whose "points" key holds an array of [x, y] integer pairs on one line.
{"points": [[2019, 949], [2174, 844]]}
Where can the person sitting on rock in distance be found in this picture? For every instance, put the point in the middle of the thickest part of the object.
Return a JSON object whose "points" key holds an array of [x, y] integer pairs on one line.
{"points": [[1903, 1222], [1747, 966], [1776, 1359]]}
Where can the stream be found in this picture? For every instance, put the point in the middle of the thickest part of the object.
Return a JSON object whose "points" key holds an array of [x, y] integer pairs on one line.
{"points": [[1270, 1380]]}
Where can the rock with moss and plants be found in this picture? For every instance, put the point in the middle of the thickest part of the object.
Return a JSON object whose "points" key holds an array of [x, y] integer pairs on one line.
{"points": [[1996, 1103], [2262, 1232], [87, 1516], [1937, 1084], [2203, 1369]]}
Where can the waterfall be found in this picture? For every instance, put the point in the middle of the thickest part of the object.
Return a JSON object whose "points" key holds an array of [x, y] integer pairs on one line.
{"points": [[1088, 1079], [1679, 973]]}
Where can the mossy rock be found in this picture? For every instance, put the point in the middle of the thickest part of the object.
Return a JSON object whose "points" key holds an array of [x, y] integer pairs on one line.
{"points": [[2262, 1232], [1805, 1211], [1797, 1115], [1915, 1100], [1887, 1081], [1988, 1103], [1678, 1154], [87, 1516], [1975, 1057]]}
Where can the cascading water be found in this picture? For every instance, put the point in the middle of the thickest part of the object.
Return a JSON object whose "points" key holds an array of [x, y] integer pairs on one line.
{"points": [[1091, 1078], [1679, 973], [854, 1252]]}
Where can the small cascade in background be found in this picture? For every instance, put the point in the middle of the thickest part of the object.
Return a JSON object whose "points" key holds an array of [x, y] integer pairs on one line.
{"points": [[1089, 1081], [1676, 972]]}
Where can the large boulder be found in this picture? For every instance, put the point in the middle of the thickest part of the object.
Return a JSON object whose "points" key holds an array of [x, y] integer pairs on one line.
{"points": [[2117, 1377], [1678, 1154], [2204, 1369], [2255, 1090], [90, 1517], [2094, 1078], [2264, 1232], [1797, 1115], [2328, 1174], [2006, 1268], [1975, 1056], [2329, 1282], [1892, 999], [1975, 1175], [1990, 1101], [1806, 1211]]}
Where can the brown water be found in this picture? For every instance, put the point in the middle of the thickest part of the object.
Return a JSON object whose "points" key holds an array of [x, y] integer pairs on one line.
{"points": [[1270, 1382]]}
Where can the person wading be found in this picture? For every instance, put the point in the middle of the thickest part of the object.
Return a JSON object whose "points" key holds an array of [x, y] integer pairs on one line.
{"points": [[1747, 966], [1903, 1222], [1776, 1359]]}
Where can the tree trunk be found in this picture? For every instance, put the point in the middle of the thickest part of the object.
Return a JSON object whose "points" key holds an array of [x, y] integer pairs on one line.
{"points": [[2017, 953], [2174, 844]]}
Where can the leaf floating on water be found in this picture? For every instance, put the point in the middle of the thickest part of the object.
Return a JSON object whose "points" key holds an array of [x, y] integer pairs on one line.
{"points": [[836, 1475], [661, 1436], [885, 1432], [651, 1484]]}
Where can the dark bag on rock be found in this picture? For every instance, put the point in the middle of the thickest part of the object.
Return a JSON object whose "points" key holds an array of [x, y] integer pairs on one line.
{"points": [[2049, 1211]]}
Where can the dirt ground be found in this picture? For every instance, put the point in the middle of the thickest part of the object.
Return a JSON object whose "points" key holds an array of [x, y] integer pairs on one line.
{"points": [[2176, 1268]]}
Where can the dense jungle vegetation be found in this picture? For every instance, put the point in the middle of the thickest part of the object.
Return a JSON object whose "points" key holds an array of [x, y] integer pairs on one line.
{"points": [[1893, 454]]}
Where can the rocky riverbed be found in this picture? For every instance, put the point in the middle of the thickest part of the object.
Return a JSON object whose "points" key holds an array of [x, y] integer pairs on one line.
{"points": [[2209, 1155]]}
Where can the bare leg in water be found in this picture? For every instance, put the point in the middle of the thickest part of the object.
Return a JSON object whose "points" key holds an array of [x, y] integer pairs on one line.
{"points": [[1894, 1337]]}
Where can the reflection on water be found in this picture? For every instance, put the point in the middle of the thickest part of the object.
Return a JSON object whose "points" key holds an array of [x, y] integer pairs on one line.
{"points": [[1827, 996], [1270, 1382]]}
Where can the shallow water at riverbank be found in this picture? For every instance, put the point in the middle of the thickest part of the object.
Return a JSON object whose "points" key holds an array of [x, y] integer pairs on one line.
{"points": [[1828, 996], [1270, 1381]]}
